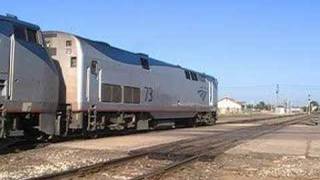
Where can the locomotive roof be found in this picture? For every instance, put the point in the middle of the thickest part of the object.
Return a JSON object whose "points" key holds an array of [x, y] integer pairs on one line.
{"points": [[15, 20], [125, 56]]}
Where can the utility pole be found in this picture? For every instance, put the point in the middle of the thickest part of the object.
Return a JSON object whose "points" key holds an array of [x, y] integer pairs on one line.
{"points": [[277, 95], [290, 107], [309, 104]]}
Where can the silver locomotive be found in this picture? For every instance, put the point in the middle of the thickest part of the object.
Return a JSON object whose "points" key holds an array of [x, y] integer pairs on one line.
{"points": [[90, 87], [28, 80]]}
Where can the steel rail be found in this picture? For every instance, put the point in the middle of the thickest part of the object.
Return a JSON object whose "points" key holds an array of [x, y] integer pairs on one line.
{"points": [[25, 144], [135, 155], [158, 173]]}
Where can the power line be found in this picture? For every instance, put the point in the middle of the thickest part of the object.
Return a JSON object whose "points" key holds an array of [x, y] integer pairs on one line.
{"points": [[273, 85]]}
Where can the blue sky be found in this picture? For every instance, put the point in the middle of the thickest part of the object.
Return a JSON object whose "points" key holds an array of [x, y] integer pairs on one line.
{"points": [[249, 45]]}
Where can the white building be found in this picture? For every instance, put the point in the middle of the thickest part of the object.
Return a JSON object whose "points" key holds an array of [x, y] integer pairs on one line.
{"points": [[281, 110], [296, 110], [229, 106], [288, 110]]}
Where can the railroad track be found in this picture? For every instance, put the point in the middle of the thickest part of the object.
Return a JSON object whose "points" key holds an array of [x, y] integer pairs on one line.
{"points": [[20, 144], [249, 120], [212, 152], [153, 163]]}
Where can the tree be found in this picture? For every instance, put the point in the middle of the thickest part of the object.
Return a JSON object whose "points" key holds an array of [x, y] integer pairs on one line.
{"points": [[268, 107], [261, 105], [250, 106]]}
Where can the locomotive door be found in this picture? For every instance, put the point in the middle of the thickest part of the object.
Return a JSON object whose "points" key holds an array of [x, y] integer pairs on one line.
{"points": [[5, 51], [93, 76]]}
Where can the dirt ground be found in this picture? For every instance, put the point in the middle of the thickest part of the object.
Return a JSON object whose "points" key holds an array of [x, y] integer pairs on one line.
{"points": [[289, 153], [68, 155], [251, 167], [36, 162], [267, 157]]}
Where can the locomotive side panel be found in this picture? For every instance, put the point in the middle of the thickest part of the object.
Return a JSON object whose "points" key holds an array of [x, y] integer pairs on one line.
{"points": [[162, 87], [34, 82], [29, 93], [30, 76], [108, 73]]}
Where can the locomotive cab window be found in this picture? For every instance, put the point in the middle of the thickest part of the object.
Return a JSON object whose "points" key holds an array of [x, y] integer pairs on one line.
{"points": [[187, 73], [32, 36], [20, 33], [26, 34], [145, 63]]}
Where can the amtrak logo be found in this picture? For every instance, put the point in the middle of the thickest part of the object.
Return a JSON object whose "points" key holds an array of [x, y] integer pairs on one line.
{"points": [[203, 93]]}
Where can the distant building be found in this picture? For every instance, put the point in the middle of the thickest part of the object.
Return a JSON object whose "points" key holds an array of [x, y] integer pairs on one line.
{"points": [[230, 106], [281, 110], [288, 110], [296, 110]]}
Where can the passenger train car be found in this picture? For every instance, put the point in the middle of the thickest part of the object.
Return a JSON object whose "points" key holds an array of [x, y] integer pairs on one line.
{"points": [[90, 86]]}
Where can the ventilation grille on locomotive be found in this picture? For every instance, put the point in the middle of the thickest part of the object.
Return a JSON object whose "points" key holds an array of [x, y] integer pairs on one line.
{"points": [[131, 95], [111, 93]]}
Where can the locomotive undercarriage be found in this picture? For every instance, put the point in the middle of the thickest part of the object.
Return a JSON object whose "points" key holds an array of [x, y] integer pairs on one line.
{"points": [[93, 122], [206, 118], [31, 125], [19, 125], [70, 123]]}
